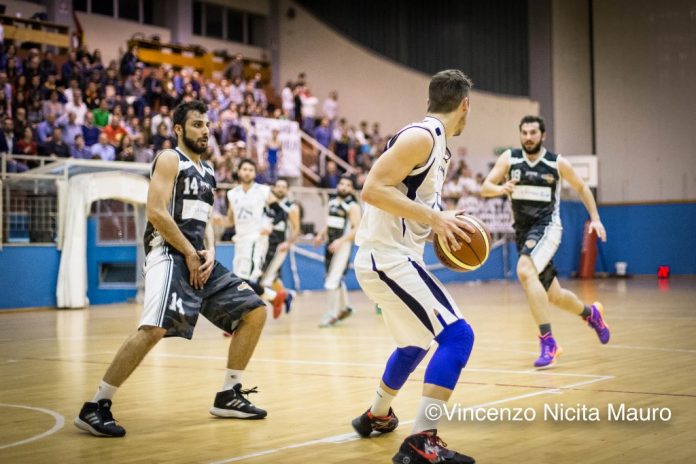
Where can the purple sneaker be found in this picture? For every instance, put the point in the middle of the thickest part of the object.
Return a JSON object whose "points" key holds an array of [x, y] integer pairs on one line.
{"points": [[596, 321], [549, 352]]}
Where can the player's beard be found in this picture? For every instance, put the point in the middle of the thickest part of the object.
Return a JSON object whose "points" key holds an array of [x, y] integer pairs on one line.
{"points": [[194, 145], [534, 150]]}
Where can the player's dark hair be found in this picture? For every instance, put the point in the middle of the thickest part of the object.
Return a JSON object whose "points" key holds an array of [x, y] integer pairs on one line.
{"points": [[529, 119], [247, 161], [347, 177], [447, 90], [181, 112]]}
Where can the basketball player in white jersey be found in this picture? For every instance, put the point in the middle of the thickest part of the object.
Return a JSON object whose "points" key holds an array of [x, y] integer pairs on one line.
{"points": [[247, 202], [183, 279], [403, 196], [534, 184], [338, 235]]}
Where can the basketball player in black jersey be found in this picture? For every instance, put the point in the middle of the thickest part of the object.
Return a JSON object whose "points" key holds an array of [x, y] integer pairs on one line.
{"points": [[285, 229], [338, 236], [183, 279], [533, 181]]}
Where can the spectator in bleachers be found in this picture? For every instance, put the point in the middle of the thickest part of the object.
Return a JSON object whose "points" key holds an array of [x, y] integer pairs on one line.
{"points": [[52, 106], [288, 100], [125, 150], [78, 150], [48, 86], [68, 123], [235, 70], [20, 121], [10, 62], [323, 133], [161, 137], [331, 177], [129, 61], [5, 86], [141, 152], [45, 128], [47, 67], [162, 117], [8, 139], [101, 114], [103, 149], [27, 145], [114, 132], [330, 108], [55, 146], [309, 111], [77, 106], [90, 132], [71, 68]]}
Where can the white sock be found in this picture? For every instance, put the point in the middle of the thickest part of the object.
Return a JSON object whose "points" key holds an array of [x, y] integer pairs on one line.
{"points": [[429, 413], [382, 403], [268, 294], [232, 378], [104, 392]]}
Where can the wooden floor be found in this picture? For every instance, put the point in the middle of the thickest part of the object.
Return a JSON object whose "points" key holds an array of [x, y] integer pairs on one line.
{"points": [[314, 381]]}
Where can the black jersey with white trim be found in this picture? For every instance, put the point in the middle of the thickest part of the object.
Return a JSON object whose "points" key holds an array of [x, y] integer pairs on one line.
{"points": [[536, 197], [279, 212], [338, 223], [190, 205]]}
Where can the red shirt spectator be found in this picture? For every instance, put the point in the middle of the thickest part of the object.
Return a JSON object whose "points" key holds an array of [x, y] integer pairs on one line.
{"points": [[114, 132]]}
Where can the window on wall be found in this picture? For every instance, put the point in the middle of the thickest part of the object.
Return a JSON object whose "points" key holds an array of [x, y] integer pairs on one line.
{"points": [[235, 26], [219, 22], [257, 30], [103, 7], [79, 5], [214, 17], [143, 11], [129, 9]]}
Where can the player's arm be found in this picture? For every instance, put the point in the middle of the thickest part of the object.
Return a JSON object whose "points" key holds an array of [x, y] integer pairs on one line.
{"points": [[159, 196], [227, 221], [294, 221], [569, 174], [320, 237], [491, 187], [410, 150], [354, 218], [208, 255]]}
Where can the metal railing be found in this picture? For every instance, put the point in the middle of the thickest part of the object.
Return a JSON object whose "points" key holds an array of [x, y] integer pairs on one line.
{"points": [[326, 153]]}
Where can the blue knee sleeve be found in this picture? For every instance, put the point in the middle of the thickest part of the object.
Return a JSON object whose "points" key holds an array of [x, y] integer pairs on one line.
{"points": [[455, 343], [400, 365]]}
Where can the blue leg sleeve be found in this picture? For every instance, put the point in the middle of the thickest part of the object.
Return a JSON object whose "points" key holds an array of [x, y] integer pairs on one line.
{"points": [[400, 365], [455, 343]]}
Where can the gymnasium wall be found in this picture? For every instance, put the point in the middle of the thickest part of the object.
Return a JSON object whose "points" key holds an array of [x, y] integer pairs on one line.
{"points": [[644, 236], [645, 63], [373, 88]]}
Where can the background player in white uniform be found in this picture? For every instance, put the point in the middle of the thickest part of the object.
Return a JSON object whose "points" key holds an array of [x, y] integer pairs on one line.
{"points": [[247, 202], [534, 184], [285, 229], [339, 233], [183, 279], [402, 192]]}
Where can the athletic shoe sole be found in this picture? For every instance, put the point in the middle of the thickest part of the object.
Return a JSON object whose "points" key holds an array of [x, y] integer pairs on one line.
{"points": [[219, 412], [82, 425]]}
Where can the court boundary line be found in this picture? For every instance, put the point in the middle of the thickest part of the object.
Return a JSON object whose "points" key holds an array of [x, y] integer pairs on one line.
{"points": [[59, 424], [352, 436]]}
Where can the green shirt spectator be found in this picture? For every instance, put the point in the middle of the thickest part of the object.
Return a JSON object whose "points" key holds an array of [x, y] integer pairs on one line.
{"points": [[101, 114]]}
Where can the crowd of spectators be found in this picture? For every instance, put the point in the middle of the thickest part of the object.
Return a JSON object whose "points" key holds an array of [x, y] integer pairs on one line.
{"points": [[79, 107]]}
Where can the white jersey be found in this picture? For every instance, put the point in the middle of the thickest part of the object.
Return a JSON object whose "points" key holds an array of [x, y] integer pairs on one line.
{"points": [[248, 209], [383, 231]]}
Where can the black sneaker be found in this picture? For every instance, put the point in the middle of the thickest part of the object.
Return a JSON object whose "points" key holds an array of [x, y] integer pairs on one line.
{"points": [[233, 403], [427, 448], [345, 313], [96, 419], [368, 423]]}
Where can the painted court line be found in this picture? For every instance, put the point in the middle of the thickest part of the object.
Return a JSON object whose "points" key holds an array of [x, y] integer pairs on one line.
{"points": [[380, 365], [59, 423], [348, 437]]}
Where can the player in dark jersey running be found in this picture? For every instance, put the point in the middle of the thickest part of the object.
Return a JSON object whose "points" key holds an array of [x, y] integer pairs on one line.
{"points": [[183, 279], [533, 181], [338, 236], [285, 229]]}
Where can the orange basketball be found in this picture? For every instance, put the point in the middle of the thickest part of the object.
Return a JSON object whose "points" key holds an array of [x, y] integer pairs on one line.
{"points": [[471, 255]]}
